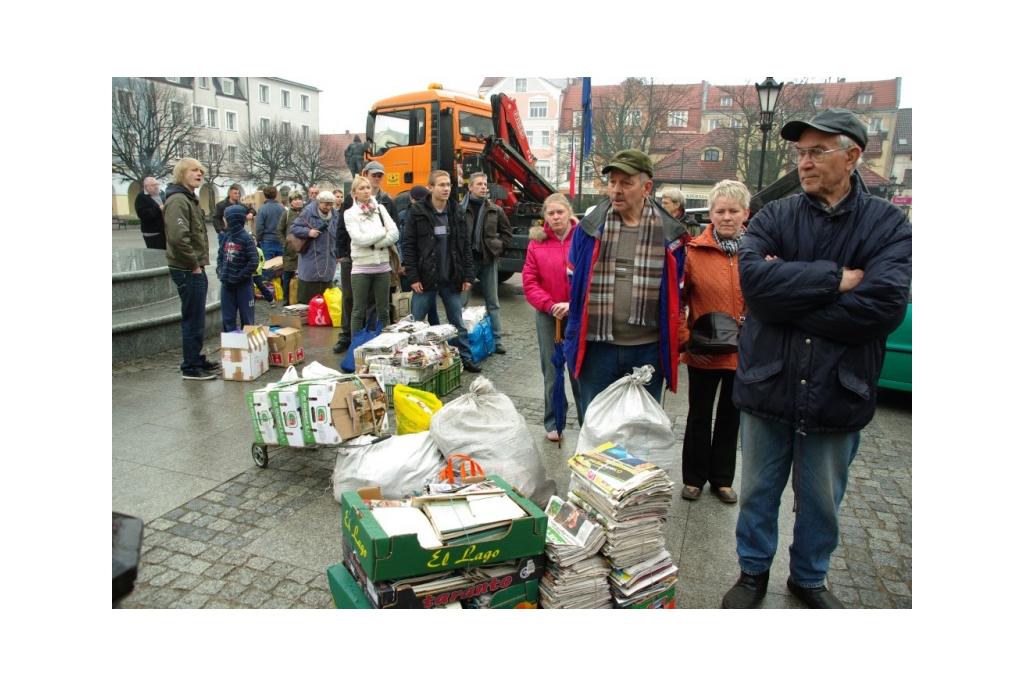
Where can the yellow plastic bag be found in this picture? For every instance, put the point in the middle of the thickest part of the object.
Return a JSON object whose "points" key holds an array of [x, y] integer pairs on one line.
{"points": [[414, 408], [278, 290], [332, 296]]}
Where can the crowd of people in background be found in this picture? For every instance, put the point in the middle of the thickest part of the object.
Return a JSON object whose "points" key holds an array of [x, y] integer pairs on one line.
{"points": [[779, 324]]}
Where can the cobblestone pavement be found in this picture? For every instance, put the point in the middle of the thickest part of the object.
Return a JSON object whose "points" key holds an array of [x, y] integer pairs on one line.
{"points": [[206, 553]]}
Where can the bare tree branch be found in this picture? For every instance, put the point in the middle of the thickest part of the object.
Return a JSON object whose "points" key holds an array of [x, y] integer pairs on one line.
{"points": [[151, 128], [265, 153], [311, 164], [631, 115]]}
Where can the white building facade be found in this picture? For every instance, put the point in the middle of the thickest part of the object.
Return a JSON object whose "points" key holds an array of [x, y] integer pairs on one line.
{"points": [[225, 107]]}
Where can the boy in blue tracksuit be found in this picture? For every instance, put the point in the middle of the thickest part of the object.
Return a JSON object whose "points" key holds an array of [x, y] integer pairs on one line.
{"points": [[237, 260]]}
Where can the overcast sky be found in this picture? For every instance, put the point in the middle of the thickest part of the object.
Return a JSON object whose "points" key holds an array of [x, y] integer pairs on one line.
{"points": [[344, 103]]}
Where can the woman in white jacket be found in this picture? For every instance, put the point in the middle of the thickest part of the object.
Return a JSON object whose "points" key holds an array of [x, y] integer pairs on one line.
{"points": [[372, 232]]}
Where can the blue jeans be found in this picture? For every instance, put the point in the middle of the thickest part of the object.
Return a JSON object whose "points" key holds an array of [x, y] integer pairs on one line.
{"points": [[546, 343], [423, 303], [487, 274], [821, 465], [237, 302], [192, 293], [271, 249], [605, 362]]}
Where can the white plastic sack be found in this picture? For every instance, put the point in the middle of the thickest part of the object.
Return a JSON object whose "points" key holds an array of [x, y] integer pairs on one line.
{"points": [[626, 414], [484, 425], [400, 465]]}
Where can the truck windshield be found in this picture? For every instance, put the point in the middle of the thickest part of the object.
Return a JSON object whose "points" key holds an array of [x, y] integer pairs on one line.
{"points": [[399, 128], [475, 126]]}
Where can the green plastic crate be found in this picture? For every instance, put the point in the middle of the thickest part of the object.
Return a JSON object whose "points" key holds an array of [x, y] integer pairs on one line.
{"points": [[450, 378], [428, 384]]}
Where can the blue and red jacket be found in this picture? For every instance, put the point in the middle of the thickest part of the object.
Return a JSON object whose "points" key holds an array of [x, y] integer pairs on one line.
{"points": [[586, 242]]}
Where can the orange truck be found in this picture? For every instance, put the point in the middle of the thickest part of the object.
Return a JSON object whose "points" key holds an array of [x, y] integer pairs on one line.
{"points": [[415, 133]]}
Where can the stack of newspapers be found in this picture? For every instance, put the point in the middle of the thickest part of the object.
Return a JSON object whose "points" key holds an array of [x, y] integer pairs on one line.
{"points": [[576, 575], [630, 498]]}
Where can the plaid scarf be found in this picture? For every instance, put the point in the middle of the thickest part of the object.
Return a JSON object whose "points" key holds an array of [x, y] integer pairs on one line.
{"points": [[648, 264]]}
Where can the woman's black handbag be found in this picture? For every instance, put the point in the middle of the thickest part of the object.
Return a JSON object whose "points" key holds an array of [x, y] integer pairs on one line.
{"points": [[714, 333]]}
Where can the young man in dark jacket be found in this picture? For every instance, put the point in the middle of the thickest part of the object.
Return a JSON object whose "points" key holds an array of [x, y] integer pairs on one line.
{"points": [[438, 258], [825, 276], [188, 253], [234, 198]]}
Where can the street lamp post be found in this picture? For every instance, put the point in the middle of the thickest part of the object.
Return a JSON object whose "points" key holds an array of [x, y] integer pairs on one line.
{"points": [[891, 189], [768, 96]]}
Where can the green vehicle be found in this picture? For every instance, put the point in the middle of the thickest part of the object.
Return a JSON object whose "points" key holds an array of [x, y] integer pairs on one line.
{"points": [[897, 367]]}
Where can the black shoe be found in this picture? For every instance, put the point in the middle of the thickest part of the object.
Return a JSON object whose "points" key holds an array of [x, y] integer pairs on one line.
{"points": [[747, 593], [342, 345], [498, 349], [210, 366], [198, 375], [471, 367], [814, 597]]}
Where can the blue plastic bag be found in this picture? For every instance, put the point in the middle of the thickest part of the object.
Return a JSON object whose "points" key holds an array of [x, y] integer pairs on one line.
{"points": [[481, 340], [370, 331]]}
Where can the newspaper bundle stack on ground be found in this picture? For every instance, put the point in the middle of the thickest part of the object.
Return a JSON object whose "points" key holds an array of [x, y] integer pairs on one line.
{"points": [[641, 582], [576, 576], [433, 334], [410, 364], [631, 499]]}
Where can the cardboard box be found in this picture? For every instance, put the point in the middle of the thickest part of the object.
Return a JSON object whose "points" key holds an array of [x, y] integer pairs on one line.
{"points": [[336, 410], [274, 263], [287, 320], [402, 302], [390, 558], [261, 412], [288, 411], [345, 591], [244, 355], [514, 586], [286, 347]]}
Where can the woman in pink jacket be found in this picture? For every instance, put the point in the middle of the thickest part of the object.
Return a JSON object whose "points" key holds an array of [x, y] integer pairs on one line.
{"points": [[546, 287]]}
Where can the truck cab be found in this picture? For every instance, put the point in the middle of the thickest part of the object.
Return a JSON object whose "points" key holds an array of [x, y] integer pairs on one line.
{"points": [[415, 133]]}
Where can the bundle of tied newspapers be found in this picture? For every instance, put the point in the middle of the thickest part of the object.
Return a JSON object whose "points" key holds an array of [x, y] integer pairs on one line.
{"points": [[576, 576], [630, 498]]}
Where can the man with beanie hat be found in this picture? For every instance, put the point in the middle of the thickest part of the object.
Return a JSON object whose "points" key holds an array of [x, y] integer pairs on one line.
{"points": [[237, 259], [490, 235], [825, 276]]}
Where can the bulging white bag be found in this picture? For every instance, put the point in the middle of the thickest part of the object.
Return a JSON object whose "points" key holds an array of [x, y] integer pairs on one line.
{"points": [[400, 465], [484, 425], [626, 414]]}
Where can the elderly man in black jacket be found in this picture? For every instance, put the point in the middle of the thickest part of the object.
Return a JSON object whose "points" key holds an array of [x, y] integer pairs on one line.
{"points": [[149, 207], [825, 276]]}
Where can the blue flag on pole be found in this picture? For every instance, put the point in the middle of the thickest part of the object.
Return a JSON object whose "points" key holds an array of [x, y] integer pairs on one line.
{"points": [[588, 131]]}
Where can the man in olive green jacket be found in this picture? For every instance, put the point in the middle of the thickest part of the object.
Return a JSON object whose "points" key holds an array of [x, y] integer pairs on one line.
{"points": [[188, 252]]}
